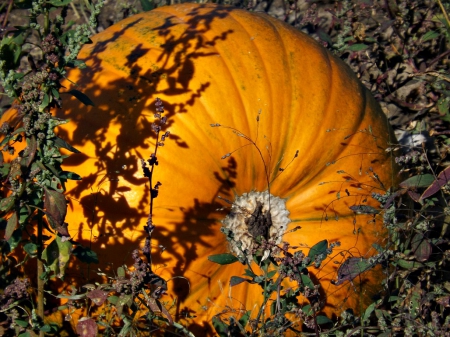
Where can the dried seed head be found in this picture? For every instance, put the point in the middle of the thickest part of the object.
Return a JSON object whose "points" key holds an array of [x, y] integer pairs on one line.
{"points": [[253, 215]]}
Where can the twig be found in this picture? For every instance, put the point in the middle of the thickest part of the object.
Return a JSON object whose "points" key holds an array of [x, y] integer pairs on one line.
{"points": [[148, 172], [75, 11], [7, 13], [444, 12]]}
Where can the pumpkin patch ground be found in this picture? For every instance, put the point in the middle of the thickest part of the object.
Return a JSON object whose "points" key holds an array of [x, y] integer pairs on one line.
{"points": [[252, 105]]}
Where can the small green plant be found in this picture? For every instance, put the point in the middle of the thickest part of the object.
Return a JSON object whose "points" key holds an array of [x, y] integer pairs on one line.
{"points": [[417, 293], [33, 205]]}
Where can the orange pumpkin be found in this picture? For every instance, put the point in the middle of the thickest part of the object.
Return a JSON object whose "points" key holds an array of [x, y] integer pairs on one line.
{"points": [[213, 64]]}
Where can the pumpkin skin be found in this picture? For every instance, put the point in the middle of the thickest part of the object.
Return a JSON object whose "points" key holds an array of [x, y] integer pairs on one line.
{"points": [[215, 64]]}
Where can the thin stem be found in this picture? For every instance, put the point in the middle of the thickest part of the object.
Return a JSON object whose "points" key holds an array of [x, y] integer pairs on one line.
{"points": [[75, 11], [260, 316], [148, 172], [150, 179], [40, 271], [46, 22], [11, 2], [444, 12]]}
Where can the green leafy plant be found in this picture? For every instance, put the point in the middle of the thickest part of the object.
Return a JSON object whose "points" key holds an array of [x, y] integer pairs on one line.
{"points": [[33, 206]]}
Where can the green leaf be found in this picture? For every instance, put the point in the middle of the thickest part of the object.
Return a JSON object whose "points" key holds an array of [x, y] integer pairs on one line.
{"points": [[235, 280], [59, 3], [23, 4], [113, 299], [44, 103], [11, 226], [377, 247], [61, 143], [24, 215], [21, 323], [223, 258], [76, 63], [248, 272], [71, 297], [30, 152], [55, 180], [10, 50], [14, 240], [124, 300], [244, 319], [69, 175], [220, 327], [421, 247], [31, 249], [364, 209], [421, 180], [55, 93], [55, 204], [85, 254], [57, 255], [17, 53], [81, 97], [46, 328], [443, 107], [324, 37], [18, 131], [147, 5], [18, 76], [4, 168], [3, 142], [127, 327], [121, 272], [409, 264], [415, 300], [7, 203], [307, 310], [351, 268], [319, 248], [357, 47], [323, 320], [431, 34], [393, 298], [25, 334], [306, 280], [368, 312]]}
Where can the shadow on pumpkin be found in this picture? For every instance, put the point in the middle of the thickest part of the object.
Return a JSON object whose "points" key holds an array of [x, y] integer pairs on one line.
{"points": [[116, 134], [125, 115]]}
